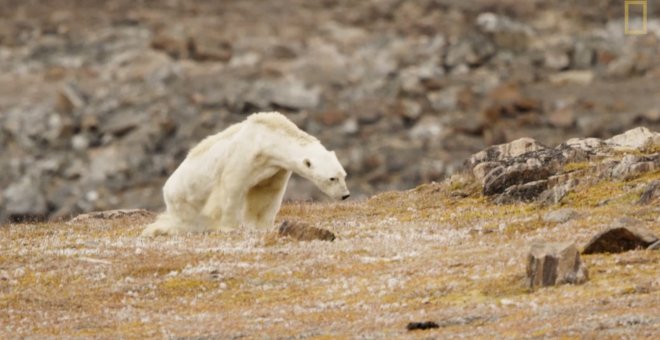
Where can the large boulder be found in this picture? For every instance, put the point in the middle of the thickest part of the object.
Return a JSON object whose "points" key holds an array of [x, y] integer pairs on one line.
{"points": [[551, 264], [618, 239]]}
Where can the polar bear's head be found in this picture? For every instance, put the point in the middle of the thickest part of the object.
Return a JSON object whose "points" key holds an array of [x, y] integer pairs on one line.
{"points": [[324, 170]]}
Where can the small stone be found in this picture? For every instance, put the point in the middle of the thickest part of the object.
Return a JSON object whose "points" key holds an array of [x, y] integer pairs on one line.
{"points": [[332, 117], [583, 56], [413, 326], [560, 216], [581, 77], [654, 246], [564, 118], [304, 232], [551, 264], [619, 239], [557, 60]]}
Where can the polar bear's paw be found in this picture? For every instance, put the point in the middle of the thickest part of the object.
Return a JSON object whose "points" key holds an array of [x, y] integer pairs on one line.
{"points": [[164, 225], [155, 230]]}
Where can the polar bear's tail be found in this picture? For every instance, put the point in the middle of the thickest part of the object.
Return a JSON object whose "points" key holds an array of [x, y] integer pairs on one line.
{"points": [[165, 224]]}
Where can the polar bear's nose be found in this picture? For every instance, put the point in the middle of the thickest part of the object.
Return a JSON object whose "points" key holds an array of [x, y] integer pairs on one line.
{"points": [[345, 196]]}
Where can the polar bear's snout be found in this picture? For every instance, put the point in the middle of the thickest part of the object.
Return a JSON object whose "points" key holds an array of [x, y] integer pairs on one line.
{"points": [[345, 196]]}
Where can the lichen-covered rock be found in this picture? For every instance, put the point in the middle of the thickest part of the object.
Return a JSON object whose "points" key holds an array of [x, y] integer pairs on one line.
{"points": [[619, 239], [650, 193], [551, 264], [524, 170]]}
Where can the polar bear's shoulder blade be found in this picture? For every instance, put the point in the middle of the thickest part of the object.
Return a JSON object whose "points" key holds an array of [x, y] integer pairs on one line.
{"points": [[276, 121], [209, 141]]}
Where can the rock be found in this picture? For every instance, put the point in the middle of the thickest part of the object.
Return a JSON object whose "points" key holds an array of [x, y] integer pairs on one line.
{"points": [[551, 264], [580, 77], [619, 239], [24, 199], [560, 216], [654, 246], [637, 138], [650, 193], [556, 60], [499, 179], [506, 32], [482, 169], [208, 46], [289, 93], [583, 56], [472, 50], [632, 166], [564, 118], [557, 192], [112, 215], [505, 151], [444, 100], [413, 326], [303, 232], [525, 192]]}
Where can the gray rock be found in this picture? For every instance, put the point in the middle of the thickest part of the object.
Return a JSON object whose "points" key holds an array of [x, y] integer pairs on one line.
{"points": [[556, 192], [556, 60], [290, 93], [560, 216], [482, 169], [583, 56], [632, 166], [525, 192], [25, 199], [506, 32], [472, 50], [650, 193], [618, 239], [654, 246], [637, 138], [505, 151], [498, 180], [551, 264]]}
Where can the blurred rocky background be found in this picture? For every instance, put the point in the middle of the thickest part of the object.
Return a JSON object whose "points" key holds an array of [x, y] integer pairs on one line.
{"points": [[101, 99]]}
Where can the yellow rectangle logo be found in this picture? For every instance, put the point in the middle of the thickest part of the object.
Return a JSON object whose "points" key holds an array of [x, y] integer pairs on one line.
{"points": [[628, 4]]}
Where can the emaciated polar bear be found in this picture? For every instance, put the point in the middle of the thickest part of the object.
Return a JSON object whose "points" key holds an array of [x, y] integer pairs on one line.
{"points": [[238, 177]]}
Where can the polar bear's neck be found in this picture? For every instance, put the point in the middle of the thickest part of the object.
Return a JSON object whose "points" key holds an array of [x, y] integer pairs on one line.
{"points": [[289, 154]]}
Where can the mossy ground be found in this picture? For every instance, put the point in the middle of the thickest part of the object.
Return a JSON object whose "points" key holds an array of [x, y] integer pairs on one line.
{"points": [[439, 252]]}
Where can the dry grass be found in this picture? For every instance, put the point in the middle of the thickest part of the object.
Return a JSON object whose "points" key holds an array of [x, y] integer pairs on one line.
{"points": [[423, 254]]}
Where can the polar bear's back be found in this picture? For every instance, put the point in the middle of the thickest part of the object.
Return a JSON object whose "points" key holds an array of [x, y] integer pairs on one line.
{"points": [[211, 140]]}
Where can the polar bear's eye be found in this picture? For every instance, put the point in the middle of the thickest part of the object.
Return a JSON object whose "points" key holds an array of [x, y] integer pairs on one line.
{"points": [[307, 163], [333, 179]]}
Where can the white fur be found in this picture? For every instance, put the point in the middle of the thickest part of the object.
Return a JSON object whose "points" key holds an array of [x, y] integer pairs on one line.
{"points": [[238, 176]]}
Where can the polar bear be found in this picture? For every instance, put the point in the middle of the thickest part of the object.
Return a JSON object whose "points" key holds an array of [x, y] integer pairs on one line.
{"points": [[238, 176]]}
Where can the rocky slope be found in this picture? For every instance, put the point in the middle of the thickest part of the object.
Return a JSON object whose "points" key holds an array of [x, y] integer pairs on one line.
{"points": [[100, 100], [453, 253]]}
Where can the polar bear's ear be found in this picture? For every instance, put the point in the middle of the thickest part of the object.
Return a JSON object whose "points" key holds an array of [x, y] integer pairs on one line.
{"points": [[307, 163]]}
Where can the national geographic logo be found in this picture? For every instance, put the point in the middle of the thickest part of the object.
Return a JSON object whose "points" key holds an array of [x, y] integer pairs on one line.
{"points": [[632, 11]]}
